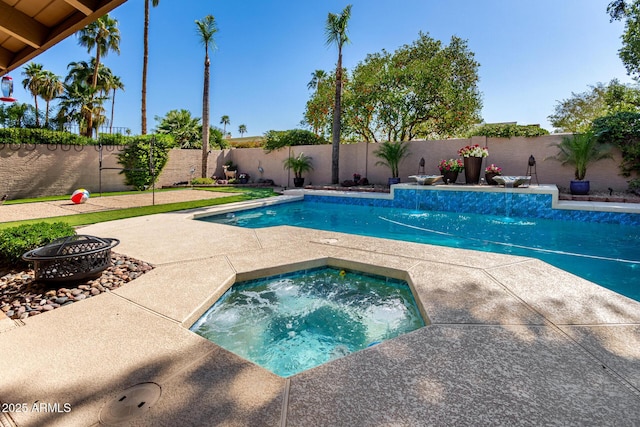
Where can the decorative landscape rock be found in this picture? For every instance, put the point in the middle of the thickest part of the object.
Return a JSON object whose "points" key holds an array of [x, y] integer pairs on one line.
{"points": [[21, 296]]}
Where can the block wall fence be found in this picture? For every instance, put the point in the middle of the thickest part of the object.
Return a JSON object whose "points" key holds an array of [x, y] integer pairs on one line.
{"points": [[41, 170]]}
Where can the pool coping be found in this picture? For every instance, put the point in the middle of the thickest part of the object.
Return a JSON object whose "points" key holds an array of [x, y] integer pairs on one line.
{"points": [[511, 340]]}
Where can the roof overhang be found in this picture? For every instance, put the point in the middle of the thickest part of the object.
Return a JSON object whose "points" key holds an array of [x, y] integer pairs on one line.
{"points": [[29, 27]]}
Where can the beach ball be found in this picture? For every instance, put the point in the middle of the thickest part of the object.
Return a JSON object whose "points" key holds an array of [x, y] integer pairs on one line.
{"points": [[80, 196]]}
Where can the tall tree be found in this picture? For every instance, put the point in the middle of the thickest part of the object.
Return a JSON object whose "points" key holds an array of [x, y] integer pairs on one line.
{"points": [[422, 90], [33, 81], [206, 30], [317, 77], [145, 64], [103, 35], [628, 11], [242, 129], [318, 114], [224, 121], [51, 88], [114, 84], [336, 33], [80, 103], [81, 75], [576, 113]]}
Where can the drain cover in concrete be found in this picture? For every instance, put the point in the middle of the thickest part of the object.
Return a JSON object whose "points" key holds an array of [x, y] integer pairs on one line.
{"points": [[130, 403]]}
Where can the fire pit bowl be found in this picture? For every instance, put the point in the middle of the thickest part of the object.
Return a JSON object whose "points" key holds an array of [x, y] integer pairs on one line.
{"points": [[71, 258]]}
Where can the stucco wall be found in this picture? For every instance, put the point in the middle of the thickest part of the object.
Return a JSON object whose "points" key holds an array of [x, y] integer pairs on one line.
{"points": [[42, 170], [510, 154], [31, 171]]}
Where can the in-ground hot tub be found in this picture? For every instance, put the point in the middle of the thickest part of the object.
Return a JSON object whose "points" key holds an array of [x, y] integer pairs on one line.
{"points": [[293, 322]]}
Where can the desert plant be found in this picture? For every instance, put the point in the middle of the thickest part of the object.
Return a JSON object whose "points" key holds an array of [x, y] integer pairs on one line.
{"points": [[580, 150], [298, 164], [391, 154]]}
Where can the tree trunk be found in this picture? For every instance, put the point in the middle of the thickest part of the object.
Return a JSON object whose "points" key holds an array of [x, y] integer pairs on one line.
{"points": [[94, 85], [46, 116], [113, 104], [335, 151], [205, 117], [145, 60], [35, 100]]}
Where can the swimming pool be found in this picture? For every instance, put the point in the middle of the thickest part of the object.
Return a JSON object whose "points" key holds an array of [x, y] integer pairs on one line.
{"points": [[606, 254]]}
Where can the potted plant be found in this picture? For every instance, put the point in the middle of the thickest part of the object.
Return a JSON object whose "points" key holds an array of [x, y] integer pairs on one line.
{"points": [[450, 169], [298, 165], [490, 172], [243, 178], [473, 155], [391, 154], [580, 150]]}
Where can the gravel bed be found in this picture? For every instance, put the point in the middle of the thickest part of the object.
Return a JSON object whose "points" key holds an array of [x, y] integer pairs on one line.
{"points": [[21, 296]]}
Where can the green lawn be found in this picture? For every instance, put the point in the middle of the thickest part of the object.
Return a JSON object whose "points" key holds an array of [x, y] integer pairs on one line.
{"points": [[241, 194]]}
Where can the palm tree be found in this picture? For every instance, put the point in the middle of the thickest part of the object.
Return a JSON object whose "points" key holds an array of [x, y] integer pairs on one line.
{"points": [[51, 88], [103, 35], [80, 103], [224, 121], [206, 29], [317, 77], [113, 84], [145, 63], [81, 73], [33, 83], [242, 129], [336, 33], [185, 129]]}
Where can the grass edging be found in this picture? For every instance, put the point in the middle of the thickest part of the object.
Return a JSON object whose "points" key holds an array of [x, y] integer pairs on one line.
{"points": [[112, 215]]}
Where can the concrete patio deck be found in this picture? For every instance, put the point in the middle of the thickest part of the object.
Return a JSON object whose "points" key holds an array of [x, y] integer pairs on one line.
{"points": [[511, 340]]}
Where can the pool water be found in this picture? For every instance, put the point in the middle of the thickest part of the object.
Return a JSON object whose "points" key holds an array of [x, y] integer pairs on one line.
{"points": [[606, 254], [294, 322]]}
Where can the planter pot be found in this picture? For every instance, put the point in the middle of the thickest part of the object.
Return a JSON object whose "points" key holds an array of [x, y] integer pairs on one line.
{"points": [[449, 177], [489, 178], [579, 187], [393, 181], [472, 166], [298, 182]]}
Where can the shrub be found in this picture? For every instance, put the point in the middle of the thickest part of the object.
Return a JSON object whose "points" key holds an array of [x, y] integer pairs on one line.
{"points": [[275, 139], [201, 181], [623, 131], [136, 162], [634, 186], [42, 136], [508, 131], [114, 139], [15, 241]]}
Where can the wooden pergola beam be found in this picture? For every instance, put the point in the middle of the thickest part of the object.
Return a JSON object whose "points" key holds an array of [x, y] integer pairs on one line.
{"points": [[38, 37], [22, 27], [87, 7], [5, 58]]}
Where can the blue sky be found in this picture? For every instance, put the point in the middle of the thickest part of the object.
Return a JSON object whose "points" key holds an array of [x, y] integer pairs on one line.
{"points": [[532, 53]]}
